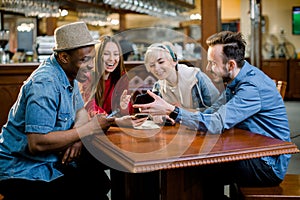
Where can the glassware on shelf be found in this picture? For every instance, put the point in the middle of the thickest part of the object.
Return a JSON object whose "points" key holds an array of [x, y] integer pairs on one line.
{"points": [[4, 37]]}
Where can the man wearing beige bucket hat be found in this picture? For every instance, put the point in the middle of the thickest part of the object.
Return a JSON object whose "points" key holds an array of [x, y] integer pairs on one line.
{"points": [[41, 153]]}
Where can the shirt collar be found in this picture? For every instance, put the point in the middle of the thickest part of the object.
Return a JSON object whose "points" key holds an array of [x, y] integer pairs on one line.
{"points": [[60, 72], [241, 75]]}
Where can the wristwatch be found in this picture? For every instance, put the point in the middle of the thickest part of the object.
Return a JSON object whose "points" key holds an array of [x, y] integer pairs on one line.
{"points": [[173, 115]]}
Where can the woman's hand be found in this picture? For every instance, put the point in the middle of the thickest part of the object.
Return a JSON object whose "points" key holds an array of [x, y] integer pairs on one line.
{"points": [[124, 100], [130, 121]]}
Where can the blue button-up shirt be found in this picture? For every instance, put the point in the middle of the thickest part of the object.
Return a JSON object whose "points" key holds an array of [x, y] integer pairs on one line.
{"points": [[47, 102], [250, 102]]}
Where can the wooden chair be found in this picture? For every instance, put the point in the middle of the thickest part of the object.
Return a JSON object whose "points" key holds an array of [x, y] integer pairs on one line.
{"points": [[288, 189], [281, 87]]}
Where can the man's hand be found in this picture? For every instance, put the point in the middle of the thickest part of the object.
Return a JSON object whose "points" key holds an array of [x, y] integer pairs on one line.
{"points": [[72, 152], [101, 123], [157, 107]]}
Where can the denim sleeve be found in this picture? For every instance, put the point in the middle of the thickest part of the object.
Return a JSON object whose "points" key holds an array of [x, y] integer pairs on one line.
{"points": [[239, 105]]}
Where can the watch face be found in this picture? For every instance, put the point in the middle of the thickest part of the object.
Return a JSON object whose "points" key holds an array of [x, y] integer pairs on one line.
{"points": [[174, 113]]}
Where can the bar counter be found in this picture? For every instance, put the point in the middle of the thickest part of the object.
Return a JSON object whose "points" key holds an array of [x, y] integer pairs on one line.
{"points": [[12, 77]]}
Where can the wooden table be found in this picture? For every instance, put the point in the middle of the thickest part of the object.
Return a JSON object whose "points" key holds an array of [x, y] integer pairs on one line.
{"points": [[161, 163]]}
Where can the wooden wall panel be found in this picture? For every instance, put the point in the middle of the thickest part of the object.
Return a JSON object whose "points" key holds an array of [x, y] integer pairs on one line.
{"points": [[11, 80]]}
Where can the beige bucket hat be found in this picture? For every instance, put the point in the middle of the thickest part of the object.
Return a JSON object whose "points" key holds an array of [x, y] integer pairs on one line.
{"points": [[71, 36]]}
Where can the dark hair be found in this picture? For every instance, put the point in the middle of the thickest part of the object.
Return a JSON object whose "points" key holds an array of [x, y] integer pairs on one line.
{"points": [[233, 45]]}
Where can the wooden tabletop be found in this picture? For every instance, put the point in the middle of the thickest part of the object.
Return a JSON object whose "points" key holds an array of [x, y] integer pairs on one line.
{"points": [[171, 147]]}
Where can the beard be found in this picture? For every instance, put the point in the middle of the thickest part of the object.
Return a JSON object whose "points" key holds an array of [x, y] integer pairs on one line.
{"points": [[226, 76], [219, 78], [226, 79]]}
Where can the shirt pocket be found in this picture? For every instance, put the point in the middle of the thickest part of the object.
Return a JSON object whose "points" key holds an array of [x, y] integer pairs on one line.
{"points": [[64, 121]]}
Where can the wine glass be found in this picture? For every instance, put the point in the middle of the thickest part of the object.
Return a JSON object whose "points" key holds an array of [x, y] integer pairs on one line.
{"points": [[4, 36]]}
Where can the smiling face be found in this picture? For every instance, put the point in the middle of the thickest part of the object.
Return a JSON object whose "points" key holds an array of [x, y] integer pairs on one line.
{"points": [[111, 57], [219, 71], [160, 64], [78, 63]]}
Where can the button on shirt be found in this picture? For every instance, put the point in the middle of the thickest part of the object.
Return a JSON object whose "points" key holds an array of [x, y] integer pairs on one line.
{"points": [[250, 102], [47, 102]]}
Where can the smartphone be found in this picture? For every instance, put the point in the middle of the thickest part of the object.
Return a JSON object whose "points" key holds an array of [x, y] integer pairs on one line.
{"points": [[141, 115], [113, 113], [144, 98]]}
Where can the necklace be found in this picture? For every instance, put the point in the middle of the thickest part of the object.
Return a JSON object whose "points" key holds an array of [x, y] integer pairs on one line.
{"points": [[173, 86], [175, 89]]}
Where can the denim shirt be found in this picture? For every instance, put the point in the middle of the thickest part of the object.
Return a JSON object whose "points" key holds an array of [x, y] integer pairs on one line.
{"points": [[47, 102], [250, 102]]}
